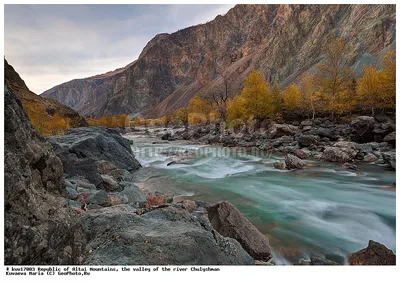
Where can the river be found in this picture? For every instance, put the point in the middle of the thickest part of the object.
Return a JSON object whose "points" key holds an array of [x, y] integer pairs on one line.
{"points": [[322, 210]]}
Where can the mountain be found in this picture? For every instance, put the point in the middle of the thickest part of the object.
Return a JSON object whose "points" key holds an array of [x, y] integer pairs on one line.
{"points": [[44, 107], [280, 41]]}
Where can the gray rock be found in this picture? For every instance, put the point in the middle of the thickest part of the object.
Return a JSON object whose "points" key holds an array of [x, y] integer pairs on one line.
{"points": [[71, 192], [307, 122], [338, 154], [363, 129], [135, 196], [390, 158], [121, 175], [293, 162], [322, 261], [300, 154], [391, 138], [165, 236], [83, 150], [101, 198], [350, 166], [39, 226], [229, 222], [279, 130], [109, 184], [370, 158], [307, 140]]}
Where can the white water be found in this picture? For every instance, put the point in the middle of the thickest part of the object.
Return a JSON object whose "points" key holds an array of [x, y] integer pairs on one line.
{"points": [[323, 210]]}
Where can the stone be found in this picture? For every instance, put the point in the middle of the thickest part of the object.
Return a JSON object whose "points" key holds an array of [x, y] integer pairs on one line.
{"points": [[101, 198], [300, 154], [307, 140], [109, 184], [155, 199], [280, 165], [121, 175], [374, 254], [370, 158], [229, 222], [164, 236], [84, 151], [349, 166], [321, 261], [391, 138], [72, 193], [362, 129], [293, 162], [133, 195], [390, 158], [307, 122]]}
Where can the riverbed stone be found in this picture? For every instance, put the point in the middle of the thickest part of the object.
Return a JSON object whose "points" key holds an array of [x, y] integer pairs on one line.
{"points": [[374, 254], [229, 222], [293, 162]]}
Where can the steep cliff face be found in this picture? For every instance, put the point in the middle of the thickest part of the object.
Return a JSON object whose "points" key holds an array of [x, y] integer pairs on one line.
{"points": [[43, 106], [281, 41], [39, 227]]}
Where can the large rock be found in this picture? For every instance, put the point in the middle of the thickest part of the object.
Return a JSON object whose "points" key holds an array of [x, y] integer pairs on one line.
{"points": [[307, 140], [363, 129], [293, 162], [229, 222], [390, 158], [374, 254], [84, 150], [391, 138], [341, 151], [39, 227], [171, 235], [279, 130]]}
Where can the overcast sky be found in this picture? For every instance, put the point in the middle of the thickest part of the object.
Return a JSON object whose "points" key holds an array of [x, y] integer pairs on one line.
{"points": [[52, 44]]}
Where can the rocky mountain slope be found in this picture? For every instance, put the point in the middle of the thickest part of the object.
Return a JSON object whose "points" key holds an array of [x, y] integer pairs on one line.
{"points": [[35, 207], [44, 107], [281, 41]]}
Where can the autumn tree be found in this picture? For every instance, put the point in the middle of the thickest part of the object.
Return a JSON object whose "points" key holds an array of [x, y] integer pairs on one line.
{"points": [[369, 89], [307, 95], [334, 76], [292, 98], [181, 116], [277, 100], [235, 108], [389, 80], [257, 100], [199, 110]]}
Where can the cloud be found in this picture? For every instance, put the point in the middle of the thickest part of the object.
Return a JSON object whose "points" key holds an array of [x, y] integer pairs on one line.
{"points": [[52, 44]]}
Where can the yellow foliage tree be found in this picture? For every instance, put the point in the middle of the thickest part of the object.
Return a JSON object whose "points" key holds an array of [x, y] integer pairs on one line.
{"points": [[369, 89], [389, 80], [333, 77], [199, 110], [292, 98], [307, 93], [257, 100], [235, 108]]}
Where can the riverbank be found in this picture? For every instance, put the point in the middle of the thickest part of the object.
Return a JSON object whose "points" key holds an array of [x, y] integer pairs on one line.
{"points": [[358, 139]]}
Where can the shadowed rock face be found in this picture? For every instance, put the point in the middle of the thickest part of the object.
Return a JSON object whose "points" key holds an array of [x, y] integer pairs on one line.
{"points": [[39, 226], [281, 41]]}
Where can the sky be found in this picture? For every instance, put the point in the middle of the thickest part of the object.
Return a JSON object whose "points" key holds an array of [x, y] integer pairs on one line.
{"points": [[52, 44]]}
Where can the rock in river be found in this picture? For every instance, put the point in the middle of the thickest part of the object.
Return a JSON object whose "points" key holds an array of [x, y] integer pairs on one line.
{"points": [[374, 254], [229, 222]]}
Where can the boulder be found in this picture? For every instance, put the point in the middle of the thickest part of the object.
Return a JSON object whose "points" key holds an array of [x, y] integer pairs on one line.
{"points": [[279, 130], [374, 254], [229, 222], [109, 184], [280, 165], [325, 132], [370, 158], [155, 199], [121, 175], [300, 154], [39, 226], [307, 140], [362, 129], [307, 122], [293, 162], [391, 138], [101, 198], [390, 158], [349, 166], [165, 236], [341, 151], [133, 195], [83, 152], [166, 136]]}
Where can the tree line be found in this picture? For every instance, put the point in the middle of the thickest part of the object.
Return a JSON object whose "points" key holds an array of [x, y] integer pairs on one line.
{"points": [[330, 90]]}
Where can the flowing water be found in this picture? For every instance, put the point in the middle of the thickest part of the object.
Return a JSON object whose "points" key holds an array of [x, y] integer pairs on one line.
{"points": [[322, 210]]}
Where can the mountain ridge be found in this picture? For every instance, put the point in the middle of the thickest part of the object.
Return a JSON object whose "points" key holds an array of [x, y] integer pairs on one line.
{"points": [[281, 41]]}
